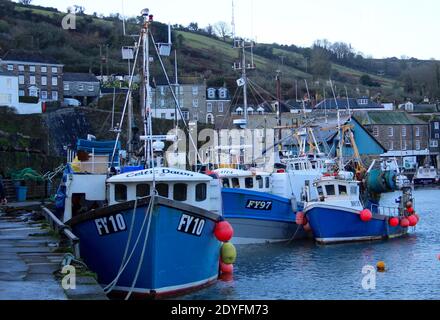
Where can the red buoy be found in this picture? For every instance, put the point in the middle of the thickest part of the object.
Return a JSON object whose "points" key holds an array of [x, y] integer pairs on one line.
{"points": [[409, 204], [404, 223], [394, 222], [417, 216], [223, 231], [366, 215], [410, 210], [412, 221], [300, 217], [307, 227], [226, 268]]}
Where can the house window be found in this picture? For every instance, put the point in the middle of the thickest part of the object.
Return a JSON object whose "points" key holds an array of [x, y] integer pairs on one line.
{"points": [[21, 68], [417, 131], [181, 90], [403, 131], [185, 115], [220, 107], [9, 83], [44, 81], [55, 95], [66, 87], [404, 146], [54, 70], [31, 68], [211, 93], [44, 95], [21, 93], [81, 87], [390, 132], [162, 103], [195, 91], [33, 92], [376, 131], [162, 91], [223, 93], [437, 125], [418, 146], [91, 88], [437, 136], [32, 80], [44, 69], [209, 107], [210, 119], [195, 103], [10, 67], [54, 81], [391, 144]]}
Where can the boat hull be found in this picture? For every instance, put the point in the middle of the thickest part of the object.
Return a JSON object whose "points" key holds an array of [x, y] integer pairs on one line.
{"points": [[337, 225], [259, 217], [174, 261], [424, 181]]}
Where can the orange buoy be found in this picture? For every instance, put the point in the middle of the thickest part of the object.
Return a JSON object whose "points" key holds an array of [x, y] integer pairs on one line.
{"points": [[394, 222], [366, 215], [223, 231], [404, 223], [412, 221]]}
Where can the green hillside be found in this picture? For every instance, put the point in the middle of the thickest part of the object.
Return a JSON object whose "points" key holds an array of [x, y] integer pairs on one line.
{"points": [[203, 56]]}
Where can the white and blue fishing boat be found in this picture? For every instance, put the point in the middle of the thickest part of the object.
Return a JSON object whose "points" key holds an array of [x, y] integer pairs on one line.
{"points": [[256, 214], [146, 230], [335, 216], [149, 243]]}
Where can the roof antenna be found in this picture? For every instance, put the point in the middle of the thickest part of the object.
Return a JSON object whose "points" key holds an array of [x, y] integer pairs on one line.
{"points": [[233, 20]]}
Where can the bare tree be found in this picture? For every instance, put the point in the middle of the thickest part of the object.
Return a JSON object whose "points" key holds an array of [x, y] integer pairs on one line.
{"points": [[222, 30], [79, 9], [25, 2]]}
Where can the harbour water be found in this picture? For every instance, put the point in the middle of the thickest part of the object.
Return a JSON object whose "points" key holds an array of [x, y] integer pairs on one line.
{"points": [[303, 270]]}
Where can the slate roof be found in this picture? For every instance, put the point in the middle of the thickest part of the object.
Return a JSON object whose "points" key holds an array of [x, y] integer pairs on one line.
{"points": [[343, 104], [28, 56], [425, 108], [80, 77], [387, 118]]}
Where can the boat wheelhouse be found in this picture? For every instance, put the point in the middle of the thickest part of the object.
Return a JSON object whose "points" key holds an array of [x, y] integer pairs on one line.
{"points": [[257, 215], [426, 175]]}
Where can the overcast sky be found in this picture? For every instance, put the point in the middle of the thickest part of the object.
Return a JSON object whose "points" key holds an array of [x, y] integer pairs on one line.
{"points": [[381, 28]]}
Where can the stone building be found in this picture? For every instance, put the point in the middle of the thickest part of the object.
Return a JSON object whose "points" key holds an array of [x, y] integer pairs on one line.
{"points": [[38, 75]]}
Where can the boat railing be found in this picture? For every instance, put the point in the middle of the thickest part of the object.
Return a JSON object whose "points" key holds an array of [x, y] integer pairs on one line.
{"points": [[385, 211], [96, 164]]}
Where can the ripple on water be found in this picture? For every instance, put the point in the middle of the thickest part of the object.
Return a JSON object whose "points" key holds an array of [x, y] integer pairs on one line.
{"points": [[303, 270]]}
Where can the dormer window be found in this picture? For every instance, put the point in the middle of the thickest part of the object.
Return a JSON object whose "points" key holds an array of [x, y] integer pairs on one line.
{"points": [[211, 93], [363, 102], [223, 93], [239, 111]]}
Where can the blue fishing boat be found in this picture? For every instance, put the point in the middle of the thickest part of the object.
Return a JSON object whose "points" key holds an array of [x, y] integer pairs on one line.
{"points": [[153, 244], [339, 215], [257, 215]]}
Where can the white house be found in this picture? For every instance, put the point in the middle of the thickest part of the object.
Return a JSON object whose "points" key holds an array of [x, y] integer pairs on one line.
{"points": [[8, 90]]}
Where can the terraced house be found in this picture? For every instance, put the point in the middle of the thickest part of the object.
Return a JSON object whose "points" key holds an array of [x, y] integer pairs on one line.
{"points": [[399, 132], [38, 75]]}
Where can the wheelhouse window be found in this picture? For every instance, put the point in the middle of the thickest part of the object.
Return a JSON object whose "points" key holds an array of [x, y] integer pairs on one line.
{"points": [[142, 190], [353, 190], [260, 182], [162, 190], [201, 192], [343, 190], [235, 183], [331, 190], [226, 183], [120, 192], [267, 182], [180, 191], [249, 183]]}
